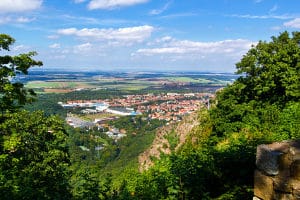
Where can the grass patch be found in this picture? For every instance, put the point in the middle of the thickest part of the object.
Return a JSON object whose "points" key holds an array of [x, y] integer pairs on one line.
{"points": [[188, 80], [92, 117]]}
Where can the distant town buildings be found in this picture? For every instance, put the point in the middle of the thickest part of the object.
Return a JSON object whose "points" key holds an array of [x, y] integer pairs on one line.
{"points": [[170, 106]]}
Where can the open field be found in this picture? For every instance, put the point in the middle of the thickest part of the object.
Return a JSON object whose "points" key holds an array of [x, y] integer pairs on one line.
{"points": [[51, 82], [57, 84], [189, 80], [63, 87]]}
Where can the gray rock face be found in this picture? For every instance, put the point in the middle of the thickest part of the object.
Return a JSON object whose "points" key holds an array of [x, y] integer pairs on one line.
{"points": [[267, 160]]}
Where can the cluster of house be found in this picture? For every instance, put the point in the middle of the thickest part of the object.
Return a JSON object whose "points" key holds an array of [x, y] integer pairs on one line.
{"points": [[136, 100], [97, 106], [169, 106], [170, 110], [78, 122]]}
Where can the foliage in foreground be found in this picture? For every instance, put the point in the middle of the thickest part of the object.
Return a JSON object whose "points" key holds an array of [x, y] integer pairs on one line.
{"points": [[13, 94], [34, 160], [33, 157]]}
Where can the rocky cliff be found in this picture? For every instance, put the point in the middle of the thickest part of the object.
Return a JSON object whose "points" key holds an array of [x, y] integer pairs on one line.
{"points": [[161, 143]]}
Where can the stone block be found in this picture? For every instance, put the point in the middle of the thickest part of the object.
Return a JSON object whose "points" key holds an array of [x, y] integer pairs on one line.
{"points": [[295, 149], [283, 184], [285, 160], [280, 146], [295, 170], [267, 160], [278, 176], [263, 185]]}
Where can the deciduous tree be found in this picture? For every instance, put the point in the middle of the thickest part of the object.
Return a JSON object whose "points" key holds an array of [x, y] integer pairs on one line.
{"points": [[34, 158], [12, 93]]}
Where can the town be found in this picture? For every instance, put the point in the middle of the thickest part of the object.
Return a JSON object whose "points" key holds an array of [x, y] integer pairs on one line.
{"points": [[170, 107]]}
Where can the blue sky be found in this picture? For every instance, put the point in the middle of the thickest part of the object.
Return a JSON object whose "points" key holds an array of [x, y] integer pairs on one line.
{"points": [[143, 35]]}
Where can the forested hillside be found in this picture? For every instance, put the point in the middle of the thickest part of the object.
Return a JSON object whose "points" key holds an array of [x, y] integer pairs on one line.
{"points": [[218, 158], [215, 159]]}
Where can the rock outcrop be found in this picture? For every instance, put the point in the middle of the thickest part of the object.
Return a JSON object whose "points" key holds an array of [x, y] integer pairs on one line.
{"points": [[278, 171], [161, 145]]}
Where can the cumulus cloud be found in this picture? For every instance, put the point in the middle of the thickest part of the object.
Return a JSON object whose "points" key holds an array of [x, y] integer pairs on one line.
{"points": [[127, 35], [217, 56], [111, 4], [172, 46], [7, 6], [295, 23]]}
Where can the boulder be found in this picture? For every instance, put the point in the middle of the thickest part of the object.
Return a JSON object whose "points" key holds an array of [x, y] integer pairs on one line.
{"points": [[263, 185], [267, 160]]}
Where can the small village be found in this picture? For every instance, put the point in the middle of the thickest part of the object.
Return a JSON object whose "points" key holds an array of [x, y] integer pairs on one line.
{"points": [[170, 107]]}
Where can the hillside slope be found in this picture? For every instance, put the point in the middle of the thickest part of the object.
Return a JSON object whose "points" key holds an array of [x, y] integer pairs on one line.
{"points": [[168, 138]]}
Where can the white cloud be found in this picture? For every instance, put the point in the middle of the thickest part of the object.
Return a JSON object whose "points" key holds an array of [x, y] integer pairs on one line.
{"points": [[166, 39], [161, 10], [67, 31], [111, 4], [59, 57], [274, 8], [285, 16], [295, 23], [127, 35], [7, 6], [168, 52], [79, 1], [54, 46], [178, 15], [82, 48], [52, 37], [20, 48], [24, 19], [219, 55], [82, 20], [276, 28], [5, 20], [9, 19], [172, 46]]}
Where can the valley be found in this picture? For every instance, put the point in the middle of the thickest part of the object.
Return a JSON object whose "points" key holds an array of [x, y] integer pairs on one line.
{"points": [[120, 121]]}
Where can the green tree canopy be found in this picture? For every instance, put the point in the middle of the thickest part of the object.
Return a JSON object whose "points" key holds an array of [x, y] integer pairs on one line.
{"points": [[34, 160], [12, 93], [34, 157], [270, 80], [272, 71]]}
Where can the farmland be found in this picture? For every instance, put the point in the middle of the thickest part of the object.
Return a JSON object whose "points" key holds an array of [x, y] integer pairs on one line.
{"points": [[51, 82]]}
